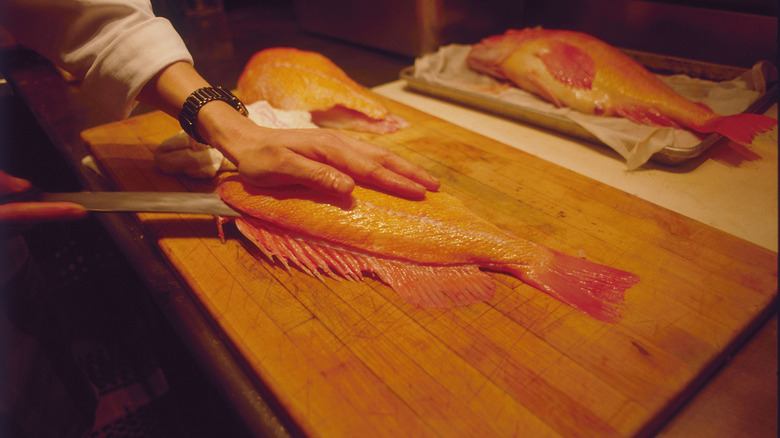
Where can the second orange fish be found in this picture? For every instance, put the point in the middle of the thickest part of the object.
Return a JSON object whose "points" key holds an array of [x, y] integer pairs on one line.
{"points": [[293, 79]]}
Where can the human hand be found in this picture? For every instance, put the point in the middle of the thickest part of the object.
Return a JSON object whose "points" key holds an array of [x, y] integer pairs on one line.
{"points": [[16, 214], [324, 159]]}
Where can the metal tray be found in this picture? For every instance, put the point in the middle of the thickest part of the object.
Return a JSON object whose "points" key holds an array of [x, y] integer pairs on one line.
{"points": [[655, 63]]}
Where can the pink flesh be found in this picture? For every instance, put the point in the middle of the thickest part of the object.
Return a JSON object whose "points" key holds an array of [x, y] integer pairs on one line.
{"points": [[340, 117]]}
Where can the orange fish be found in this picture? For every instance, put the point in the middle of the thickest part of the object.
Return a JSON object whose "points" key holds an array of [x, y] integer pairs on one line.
{"points": [[292, 79], [576, 70], [430, 252]]}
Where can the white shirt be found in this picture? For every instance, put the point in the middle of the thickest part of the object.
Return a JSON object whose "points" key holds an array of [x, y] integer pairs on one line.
{"points": [[114, 46]]}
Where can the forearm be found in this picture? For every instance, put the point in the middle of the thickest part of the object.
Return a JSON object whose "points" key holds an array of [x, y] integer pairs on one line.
{"points": [[169, 88]]}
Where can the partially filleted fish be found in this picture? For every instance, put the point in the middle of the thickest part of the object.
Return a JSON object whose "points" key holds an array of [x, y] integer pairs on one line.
{"points": [[430, 252], [293, 79], [579, 71]]}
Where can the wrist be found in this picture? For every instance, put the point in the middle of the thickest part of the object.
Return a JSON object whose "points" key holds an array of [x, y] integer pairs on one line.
{"points": [[225, 129], [194, 104]]}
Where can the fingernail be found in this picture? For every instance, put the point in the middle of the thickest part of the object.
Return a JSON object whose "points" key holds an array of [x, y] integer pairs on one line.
{"points": [[18, 185], [342, 184]]}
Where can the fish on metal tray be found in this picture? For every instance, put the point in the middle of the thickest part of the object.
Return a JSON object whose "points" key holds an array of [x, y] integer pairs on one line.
{"points": [[579, 71], [428, 251], [293, 79]]}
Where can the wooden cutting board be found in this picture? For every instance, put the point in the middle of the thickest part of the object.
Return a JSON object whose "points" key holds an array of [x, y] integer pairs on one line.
{"points": [[353, 359]]}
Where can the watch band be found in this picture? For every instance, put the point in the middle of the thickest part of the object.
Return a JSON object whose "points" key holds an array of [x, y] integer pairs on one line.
{"points": [[189, 112]]}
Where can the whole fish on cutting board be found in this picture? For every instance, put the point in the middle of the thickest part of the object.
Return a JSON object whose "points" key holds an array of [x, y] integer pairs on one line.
{"points": [[428, 251], [576, 70], [293, 79]]}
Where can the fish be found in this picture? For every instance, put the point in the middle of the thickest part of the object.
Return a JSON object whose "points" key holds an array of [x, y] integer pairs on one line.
{"points": [[432, 252], [576, 70], [293, 79]]}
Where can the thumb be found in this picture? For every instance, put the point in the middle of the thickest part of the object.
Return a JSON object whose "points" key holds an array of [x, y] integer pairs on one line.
{"points": [[11, 184]]}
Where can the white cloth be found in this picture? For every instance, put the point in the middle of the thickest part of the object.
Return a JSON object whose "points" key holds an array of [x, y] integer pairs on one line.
{"points": [[114, 46]]}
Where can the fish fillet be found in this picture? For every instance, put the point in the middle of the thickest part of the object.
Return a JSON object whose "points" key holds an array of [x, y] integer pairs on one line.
{"points": [[430, 252], [292, 79], [579, 71]]}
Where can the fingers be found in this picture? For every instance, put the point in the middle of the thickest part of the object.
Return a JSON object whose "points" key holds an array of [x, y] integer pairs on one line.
{"points": [[373, 172], [392, 166], [409, 170], [330, 161], [380, 167], [285, 167], [35, 212], [11, 184], [24, 213]]}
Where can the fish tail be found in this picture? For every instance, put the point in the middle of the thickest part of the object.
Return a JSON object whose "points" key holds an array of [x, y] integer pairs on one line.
{"points": [[740, 128], [595, 289]]}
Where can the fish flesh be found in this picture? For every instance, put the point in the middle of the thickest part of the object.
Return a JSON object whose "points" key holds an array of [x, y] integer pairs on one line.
{"points": [[428, 251], [293, 79], [579, 71]]}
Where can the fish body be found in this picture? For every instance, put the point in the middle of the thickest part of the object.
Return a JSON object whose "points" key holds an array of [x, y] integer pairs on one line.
{"points": [[430, 252], [293, 79], [581, 72]]}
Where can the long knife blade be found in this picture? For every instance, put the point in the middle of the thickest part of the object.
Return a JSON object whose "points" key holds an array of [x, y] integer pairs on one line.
{"points": [[158, 202]]}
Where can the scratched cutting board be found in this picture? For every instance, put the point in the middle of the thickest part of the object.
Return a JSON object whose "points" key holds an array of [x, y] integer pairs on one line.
{"points": [[352, 359]]}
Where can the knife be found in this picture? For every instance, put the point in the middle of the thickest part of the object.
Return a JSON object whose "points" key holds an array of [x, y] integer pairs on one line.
{"points": [[157, 202]]}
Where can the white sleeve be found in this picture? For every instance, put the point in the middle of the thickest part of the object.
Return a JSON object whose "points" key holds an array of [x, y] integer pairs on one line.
{"points": [[114, 46]]}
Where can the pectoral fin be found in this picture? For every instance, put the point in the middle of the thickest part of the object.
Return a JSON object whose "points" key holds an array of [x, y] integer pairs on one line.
{"points": [[568, 64]]}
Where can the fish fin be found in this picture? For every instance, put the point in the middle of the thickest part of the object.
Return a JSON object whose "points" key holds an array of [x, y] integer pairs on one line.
{"points": [[595, 289], [645, 116], [435, 286], [220, 229], [740, 128], [426, 286], [569, 64], [538, 86], [285, 248]]}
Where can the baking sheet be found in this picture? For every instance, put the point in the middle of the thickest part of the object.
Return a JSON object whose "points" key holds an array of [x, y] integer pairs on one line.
{"points": [[664, 145]]}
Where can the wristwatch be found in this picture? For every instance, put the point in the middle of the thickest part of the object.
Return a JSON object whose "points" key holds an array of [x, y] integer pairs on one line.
{"points": [[189, 112]]}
